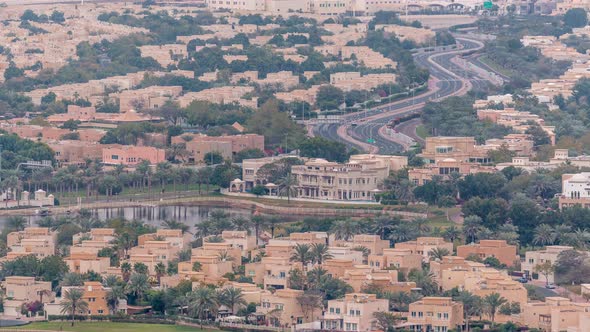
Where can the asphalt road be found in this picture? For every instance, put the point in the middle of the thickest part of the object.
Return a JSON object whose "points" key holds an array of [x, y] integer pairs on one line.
{"points": [[449, 79]]}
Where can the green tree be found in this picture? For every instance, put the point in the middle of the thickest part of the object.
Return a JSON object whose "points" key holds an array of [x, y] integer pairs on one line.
{"points": [[472, 306], [544, 235], [319, 253], [491, 304], [160, 270], [73, 303], [471, 227], [138, 285], [386, 321], [438, 253], [288, 186], [57, 17], [302, 254], [202, 303], [232, 297], [213, 158], [329, 97], [575, 18], [546, 269]]}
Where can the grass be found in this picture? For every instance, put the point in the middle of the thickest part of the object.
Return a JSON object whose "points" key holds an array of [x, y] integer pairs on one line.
{"points": [[421, 131], [105, 327], [497, 68]]}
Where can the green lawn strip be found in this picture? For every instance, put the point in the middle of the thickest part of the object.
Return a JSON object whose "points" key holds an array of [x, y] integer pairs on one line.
{"points": [[421, 131], [496, 67], [106, 327]]}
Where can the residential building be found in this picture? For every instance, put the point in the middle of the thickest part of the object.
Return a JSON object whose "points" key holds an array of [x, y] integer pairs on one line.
{"points": [[95, 294], [129, 155], [95, 234], [82, 262], [283, 309], [537, 257], [555, 314], [400, 259], [418, 35], [575, 190], [151, 253], [499, 249], [438, 314], [372, 242], [336, 268], [20, 290], [228, 146], [423, 245], [354, 312], [250, 169], [463, 149], [37, 241], [176, 237], [357, 180], [223, 250], [271, 271]]}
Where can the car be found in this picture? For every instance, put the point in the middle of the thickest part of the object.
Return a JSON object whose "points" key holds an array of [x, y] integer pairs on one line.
{"points": [[550, 286], [522, 280]]}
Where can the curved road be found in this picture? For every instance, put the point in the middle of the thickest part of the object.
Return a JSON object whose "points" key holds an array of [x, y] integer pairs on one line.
{"points": [[447, 79]]}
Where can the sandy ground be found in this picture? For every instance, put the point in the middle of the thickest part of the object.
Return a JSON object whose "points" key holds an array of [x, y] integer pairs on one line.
{"points": [[440, 21]]}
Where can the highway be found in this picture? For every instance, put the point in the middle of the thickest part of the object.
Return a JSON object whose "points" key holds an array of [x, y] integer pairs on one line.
{"points": [[447, 79]]}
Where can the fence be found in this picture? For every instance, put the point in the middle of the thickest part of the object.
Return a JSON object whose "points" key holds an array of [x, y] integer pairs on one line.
{"points": [[253, 327]]}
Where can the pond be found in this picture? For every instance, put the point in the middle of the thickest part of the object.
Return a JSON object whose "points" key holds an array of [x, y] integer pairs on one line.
{"points": [[153, 215]]}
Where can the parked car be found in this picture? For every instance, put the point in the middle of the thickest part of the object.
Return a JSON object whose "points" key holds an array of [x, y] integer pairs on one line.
{"points": [[550, 286], [522, 280]]}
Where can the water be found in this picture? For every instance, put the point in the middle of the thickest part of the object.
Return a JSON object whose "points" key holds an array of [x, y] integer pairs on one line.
{"points": [[190, 215]]}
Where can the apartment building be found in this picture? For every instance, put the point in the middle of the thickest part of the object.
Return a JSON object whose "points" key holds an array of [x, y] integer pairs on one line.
{"points": [[240, 239], [517, 120], [452, 271], [537, 257], [438, 314], [130, 155], [500, 249], [574, 190], [357, 180], [283, 247], [354, 312], [423, 245], [485, 281], [213, 267], [37, 241]]}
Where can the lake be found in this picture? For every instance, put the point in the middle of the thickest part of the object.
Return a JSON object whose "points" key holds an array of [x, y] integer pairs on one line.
{"points": [[190, 215]]}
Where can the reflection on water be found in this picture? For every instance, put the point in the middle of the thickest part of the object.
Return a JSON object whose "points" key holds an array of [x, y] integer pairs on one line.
{"points": [[190, 215]]}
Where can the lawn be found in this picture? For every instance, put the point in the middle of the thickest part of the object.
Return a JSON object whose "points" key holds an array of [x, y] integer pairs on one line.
{"points": [[106, 327], [421, 131]]}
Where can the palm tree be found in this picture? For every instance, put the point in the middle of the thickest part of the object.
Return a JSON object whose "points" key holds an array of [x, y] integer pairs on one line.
{"points": [[301, 253], [160, 269], [491, 304], [319, 253], [242, 224], [139, 267], [126, 271], [438, 253], [424, 279], [383, 224], [73, 303], [471, 226], [124, 242], [288, 186], [16, 223], [451, 233], [544, 235], [232, 297], [366, 252], [173, 224], [225, 256], [112, 299], [345, 229], [472, 306], [202, 302], [259, 222], [137, 286], [405, 231], [315, 275]]}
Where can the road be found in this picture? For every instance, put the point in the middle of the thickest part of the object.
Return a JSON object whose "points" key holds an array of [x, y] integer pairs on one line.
{"points": [[447, 79]]}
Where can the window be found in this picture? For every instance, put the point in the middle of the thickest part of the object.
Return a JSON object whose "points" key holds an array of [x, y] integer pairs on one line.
{"points": [[446, 316], [337, 310], [115, 157], [331, 310], [100, 311], [358, 312]]}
